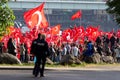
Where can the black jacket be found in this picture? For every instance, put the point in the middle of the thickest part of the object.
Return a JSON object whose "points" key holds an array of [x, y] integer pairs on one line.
{"points": [[40, 47]]}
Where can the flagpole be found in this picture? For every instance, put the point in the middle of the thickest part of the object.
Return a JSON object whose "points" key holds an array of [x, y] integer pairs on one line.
{"points": [[48, 19], [80, 20], [47, 14]]}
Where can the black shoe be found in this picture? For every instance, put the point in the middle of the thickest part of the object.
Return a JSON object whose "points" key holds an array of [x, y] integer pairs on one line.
{"points": [[42, 76], [35, 75], [33, 72]]}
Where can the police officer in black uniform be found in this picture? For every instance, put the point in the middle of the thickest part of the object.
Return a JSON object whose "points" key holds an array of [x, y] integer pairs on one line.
{"points": [[41, 51]]}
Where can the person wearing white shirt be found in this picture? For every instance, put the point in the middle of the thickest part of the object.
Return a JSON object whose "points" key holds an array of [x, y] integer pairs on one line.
{"points": [[64, 50], [75, 50]]}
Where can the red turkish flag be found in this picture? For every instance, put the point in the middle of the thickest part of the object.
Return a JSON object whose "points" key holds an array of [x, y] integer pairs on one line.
{"points": [[36, 17], [56, 29], [67, 34], [78, 14], [118, 33]]}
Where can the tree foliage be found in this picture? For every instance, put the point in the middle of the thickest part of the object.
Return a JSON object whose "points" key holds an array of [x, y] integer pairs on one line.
{"points": [[114, 8], [6, 17]]}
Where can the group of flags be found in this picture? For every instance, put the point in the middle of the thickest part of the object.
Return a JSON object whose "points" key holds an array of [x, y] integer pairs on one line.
{"points": [[36, 17]]}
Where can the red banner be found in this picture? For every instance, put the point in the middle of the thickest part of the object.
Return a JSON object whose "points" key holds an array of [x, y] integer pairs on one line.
{"points": [[36, 17], [78, 14]]}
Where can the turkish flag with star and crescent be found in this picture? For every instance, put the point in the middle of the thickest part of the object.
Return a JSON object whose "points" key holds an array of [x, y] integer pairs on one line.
{"points": [[78, 14], [36, 17], [55, 29]]}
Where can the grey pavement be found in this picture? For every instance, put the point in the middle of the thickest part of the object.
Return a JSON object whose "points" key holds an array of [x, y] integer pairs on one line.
{"points": [[60, 75], [111, 72]]}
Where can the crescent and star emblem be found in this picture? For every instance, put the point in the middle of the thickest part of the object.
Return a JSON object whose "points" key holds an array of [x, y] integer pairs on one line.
{"points": [[38, 13], [56, 29]]}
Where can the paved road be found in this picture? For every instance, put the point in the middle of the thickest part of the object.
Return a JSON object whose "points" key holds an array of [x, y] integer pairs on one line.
{"points": [[61, 75]]}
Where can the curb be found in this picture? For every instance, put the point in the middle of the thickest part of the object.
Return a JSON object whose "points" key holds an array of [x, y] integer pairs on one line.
{"points": [[16, 67], [103, 68]]}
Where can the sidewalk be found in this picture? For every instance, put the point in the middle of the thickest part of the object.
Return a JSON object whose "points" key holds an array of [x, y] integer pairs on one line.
{"points": [[95, 68]]}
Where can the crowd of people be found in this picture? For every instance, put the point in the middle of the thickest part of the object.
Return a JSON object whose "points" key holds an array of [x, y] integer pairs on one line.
{"points": [[103, 45], [17, 51]]}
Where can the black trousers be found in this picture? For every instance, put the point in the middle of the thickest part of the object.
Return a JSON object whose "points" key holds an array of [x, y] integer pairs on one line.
{"points": [[39, 65]]}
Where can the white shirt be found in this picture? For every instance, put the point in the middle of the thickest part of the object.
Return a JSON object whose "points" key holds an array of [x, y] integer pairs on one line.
{"points": [[64, 51], [75, 51]]}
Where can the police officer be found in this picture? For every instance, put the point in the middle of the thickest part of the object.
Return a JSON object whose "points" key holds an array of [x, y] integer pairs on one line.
{"points": [[33, 50], [41, 51]]}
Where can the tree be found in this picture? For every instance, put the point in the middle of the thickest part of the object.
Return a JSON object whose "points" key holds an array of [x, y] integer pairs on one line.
{"points": [[6, 17], [114, 8]]}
